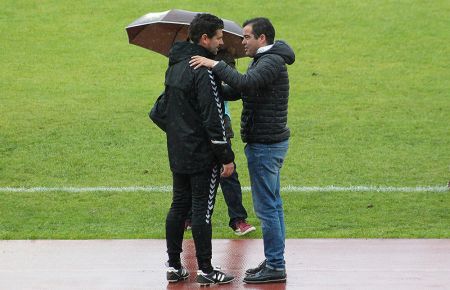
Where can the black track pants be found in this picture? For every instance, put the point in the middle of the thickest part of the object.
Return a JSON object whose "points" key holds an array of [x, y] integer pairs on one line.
{"points": [[199, 191]]}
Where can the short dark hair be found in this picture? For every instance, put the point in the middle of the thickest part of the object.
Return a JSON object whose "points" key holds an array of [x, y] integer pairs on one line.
{"points": [[226, 56], [262, 25], [204, 23]]}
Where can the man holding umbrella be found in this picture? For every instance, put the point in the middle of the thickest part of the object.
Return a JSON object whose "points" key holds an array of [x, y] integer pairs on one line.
{"points": [[197, 147]]}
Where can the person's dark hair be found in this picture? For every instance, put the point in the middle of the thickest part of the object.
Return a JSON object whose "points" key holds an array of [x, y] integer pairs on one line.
{"points": [[226, 56], [204, 23], [261, 25]]}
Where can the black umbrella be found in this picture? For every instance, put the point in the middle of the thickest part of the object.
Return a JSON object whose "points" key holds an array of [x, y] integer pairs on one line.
{"points": [[158, 31]]}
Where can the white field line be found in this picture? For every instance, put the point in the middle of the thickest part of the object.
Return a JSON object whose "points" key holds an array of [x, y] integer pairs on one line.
{"points": [[289, 188]]}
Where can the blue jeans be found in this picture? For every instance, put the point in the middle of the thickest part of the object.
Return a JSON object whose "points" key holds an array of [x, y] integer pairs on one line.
{"points": [[232, 193], [264, 165]]}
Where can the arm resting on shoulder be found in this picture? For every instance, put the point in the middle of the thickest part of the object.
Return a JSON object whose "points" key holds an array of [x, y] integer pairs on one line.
{"points": [[264, 72]]}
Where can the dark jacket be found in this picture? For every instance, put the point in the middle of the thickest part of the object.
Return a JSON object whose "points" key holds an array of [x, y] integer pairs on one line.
{"points": [[264, 90], [195, 130]]}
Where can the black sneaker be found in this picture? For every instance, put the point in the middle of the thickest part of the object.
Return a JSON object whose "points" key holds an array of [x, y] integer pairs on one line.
{"points": [[174, 275], [252, 271], [215, 277], [266, 275]]}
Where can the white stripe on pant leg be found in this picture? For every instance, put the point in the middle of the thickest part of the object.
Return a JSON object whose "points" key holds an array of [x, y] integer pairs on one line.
{"points": [[212, 191]]}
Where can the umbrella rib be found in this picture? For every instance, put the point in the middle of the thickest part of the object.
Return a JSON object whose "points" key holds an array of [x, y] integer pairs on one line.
{"points": [[175, 36]]}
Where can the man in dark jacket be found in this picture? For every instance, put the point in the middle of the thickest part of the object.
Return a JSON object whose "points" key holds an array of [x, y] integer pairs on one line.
{"points": [[231, 187], [197, 147], [264, 90]]}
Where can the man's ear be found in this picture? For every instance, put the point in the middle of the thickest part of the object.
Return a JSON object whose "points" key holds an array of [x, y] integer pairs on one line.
{"points": [[262, 39], [204, 39]]}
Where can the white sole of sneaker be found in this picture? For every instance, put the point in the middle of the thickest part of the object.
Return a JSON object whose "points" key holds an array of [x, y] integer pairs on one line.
{"points": [[226, 281], [246, 232], [209, 284], [178, 280]]}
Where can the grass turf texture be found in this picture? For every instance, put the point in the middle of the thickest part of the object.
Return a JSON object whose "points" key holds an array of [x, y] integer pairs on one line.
{"points": [[369, 106], [142, 215]]}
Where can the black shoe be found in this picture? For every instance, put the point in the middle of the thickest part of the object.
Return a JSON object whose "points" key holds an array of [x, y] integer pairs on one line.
{"points": [[266, 275], [257, 269], [215, 277], [174, 275]]}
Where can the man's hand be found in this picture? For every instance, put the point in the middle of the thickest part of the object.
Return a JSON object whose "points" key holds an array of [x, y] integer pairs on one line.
{"points": [[227, 169], [199, 61]]}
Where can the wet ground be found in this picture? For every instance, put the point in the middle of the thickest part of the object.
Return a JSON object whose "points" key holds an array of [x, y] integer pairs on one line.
{"points": [[311, 264]]}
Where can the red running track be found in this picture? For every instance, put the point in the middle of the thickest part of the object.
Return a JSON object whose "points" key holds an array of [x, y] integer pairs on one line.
{"points": [[311, 264]]}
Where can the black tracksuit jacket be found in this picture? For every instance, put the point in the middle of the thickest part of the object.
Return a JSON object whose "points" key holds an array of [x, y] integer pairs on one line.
{"points": [[196, 139]]}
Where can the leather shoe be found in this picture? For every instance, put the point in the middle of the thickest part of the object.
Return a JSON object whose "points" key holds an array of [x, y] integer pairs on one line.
{"points": [[255, 270], [266, 275]]}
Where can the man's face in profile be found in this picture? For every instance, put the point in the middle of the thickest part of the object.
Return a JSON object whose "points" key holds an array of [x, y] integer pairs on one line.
{"points": [[214, 43], [250, 42]]}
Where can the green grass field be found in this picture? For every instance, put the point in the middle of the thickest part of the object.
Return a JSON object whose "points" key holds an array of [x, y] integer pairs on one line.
{"points": [[369, 105]]}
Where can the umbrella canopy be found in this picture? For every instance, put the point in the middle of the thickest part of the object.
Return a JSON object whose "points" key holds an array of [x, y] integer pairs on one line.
{"points": [[159, 31]]}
